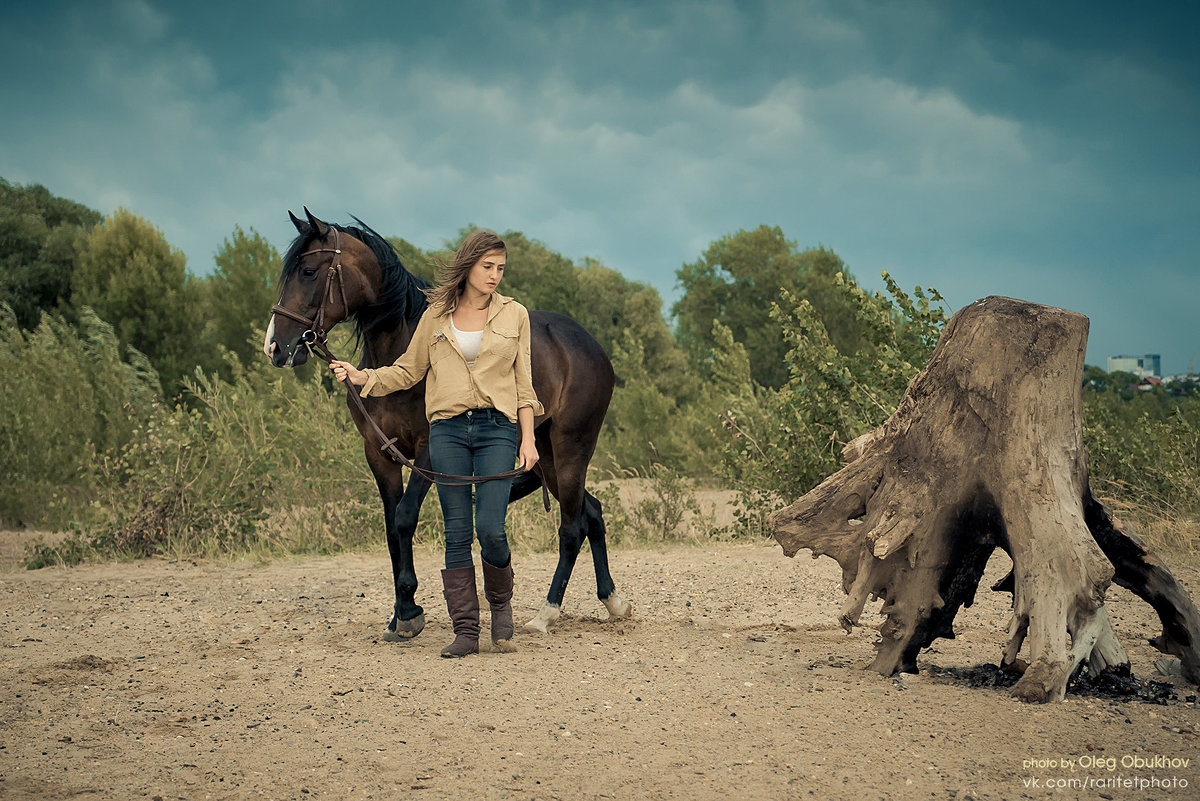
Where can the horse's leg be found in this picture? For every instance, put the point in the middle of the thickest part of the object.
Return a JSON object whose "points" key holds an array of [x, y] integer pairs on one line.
{"points": [[572, 529], [400, 515], [606, 591]]}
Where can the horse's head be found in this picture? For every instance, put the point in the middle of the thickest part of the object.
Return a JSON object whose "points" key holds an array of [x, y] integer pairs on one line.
{"points": [[327, 275]]}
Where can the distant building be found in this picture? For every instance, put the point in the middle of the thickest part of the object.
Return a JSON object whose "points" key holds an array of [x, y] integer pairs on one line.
{"points": [[1141, 366], [1148, 383]]}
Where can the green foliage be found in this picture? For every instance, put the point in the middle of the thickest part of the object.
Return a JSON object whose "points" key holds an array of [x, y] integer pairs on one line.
{"points": [[738, 280], [39, 235], [539, 277], [67, 398], [649, 421], [655, 383], [240, 293], [72, 550], [202, 478], [664, 514], [619, 528], [603, 301], [783, 442], [1143, 448], [1120, 382], [1145, 451], [779, 360], [133, 278], [414, 259]]}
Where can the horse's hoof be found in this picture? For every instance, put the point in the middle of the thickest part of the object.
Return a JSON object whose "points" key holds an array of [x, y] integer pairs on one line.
{"points": [[404, 630], [617, 609], [544, 618]]}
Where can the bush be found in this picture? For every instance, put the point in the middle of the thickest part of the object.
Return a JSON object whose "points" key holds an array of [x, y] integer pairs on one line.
{"points": [[68, 398], [1144, 453], [648, 422], [781, 443], [202, 478]]}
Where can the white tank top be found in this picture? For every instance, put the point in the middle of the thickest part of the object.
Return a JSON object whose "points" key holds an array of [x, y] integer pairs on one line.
{"points": [[468, 343]]}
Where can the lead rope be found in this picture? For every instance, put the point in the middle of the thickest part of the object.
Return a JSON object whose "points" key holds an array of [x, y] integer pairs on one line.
{"points": [[388, 445]]}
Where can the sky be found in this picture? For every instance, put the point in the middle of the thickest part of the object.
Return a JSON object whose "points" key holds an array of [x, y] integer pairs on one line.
{"points": [[1043, 151]]}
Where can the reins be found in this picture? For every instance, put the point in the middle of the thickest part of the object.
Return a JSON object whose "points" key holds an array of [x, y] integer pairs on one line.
{"points": [[315, 339]]}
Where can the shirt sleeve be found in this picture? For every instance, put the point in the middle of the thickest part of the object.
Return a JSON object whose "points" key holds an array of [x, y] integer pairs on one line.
{"points": [[524, 372], [406, 371]]}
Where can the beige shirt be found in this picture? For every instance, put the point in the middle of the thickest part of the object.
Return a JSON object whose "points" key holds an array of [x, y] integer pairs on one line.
{"points": [[501, 378]]}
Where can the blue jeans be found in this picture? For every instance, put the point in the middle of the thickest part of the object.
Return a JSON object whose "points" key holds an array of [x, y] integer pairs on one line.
{"points": [[481, 442]]}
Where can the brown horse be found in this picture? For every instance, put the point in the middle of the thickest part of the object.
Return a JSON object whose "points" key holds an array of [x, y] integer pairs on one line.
{"points": [[334, 273]]}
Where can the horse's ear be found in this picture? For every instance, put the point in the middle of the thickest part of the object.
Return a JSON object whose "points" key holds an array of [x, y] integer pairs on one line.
{"points": [[319, 228], [301, 226]]}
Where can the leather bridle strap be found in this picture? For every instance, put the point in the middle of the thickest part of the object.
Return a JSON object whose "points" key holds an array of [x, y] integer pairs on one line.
{"points": [[315, 327]]}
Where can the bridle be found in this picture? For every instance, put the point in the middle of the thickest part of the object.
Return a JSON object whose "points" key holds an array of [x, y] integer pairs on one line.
{"points": [[314, 333], [316, 339]]}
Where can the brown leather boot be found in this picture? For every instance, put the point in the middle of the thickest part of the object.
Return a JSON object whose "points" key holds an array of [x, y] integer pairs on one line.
{"points": [[498, 589], [458, 586]]}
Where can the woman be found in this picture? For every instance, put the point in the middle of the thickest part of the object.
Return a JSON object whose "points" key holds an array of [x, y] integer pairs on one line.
{"points": [[474, 345]]}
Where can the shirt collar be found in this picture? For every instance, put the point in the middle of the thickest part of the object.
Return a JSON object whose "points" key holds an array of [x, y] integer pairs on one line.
{"points": [[498, 302]]}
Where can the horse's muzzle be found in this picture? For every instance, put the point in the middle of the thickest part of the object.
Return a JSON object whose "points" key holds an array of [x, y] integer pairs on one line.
{"points": [[292, 355]]}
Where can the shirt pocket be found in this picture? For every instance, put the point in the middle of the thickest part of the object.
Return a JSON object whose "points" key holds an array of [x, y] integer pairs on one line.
{"points": [[439, 348], [504, 345]]}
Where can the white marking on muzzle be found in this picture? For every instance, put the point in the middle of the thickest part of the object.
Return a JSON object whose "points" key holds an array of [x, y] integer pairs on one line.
{"points": [[269, 346]]}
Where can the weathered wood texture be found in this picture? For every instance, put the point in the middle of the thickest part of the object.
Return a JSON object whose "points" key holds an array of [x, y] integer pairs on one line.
{"points": [[986, 451]]}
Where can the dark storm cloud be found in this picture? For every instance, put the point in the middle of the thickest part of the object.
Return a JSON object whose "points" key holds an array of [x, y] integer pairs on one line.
{"points": [[1040, 151]]}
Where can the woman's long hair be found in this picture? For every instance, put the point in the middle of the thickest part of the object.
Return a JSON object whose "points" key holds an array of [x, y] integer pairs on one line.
{"points": [[444, 297]]}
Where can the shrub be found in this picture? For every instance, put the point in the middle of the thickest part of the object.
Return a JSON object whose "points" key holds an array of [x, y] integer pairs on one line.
{"points": [[1144, 453], [203, 477], [781, 443], [68, 398]]}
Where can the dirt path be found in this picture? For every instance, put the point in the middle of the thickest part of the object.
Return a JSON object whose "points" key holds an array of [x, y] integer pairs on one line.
{"points": [[166, 680]]}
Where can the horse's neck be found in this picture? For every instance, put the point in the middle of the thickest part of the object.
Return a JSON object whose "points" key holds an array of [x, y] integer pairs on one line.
{"points": [[381, 348]]}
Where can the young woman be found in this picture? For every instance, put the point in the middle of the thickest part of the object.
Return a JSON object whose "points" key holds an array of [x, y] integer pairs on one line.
{"points": [[473, 344]]}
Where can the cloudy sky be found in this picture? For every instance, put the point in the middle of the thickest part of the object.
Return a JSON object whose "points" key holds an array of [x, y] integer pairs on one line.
{"points": [[1045, 151]]}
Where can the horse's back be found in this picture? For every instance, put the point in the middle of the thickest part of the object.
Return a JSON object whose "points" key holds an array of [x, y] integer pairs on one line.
{"points": [[572, 374]]}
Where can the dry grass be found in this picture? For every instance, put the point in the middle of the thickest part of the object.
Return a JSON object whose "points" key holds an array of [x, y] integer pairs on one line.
{"points": [[1177, 540], [1173, 536], [638, 512]]}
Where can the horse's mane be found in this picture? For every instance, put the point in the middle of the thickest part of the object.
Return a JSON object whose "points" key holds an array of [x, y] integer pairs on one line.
{"points": [[401, 297]]}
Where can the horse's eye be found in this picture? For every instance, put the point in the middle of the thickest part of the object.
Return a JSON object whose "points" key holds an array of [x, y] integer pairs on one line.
{"points": [[308, 272]]}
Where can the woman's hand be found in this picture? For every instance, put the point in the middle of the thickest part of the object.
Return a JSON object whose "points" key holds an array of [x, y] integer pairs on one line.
{"points": [[344, 370], [528, 453]]}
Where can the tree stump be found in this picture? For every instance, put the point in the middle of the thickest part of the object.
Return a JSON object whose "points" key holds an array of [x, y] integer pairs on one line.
{"points": [[986, 451]]}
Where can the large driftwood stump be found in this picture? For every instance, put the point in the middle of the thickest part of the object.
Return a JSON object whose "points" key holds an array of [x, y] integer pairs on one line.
{"points": [[986, 451]]}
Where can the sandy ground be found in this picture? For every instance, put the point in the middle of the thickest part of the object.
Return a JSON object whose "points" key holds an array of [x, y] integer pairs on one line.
{"points": [[169, 680]]}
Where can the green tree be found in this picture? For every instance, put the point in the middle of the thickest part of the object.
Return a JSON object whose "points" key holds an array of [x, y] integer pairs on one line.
{"points": [[736, 282], [541, 278], [240, 293], [784, 441], [39, 234], [610, 306], [599, 298], [1095, 379], [136, 281], [415, 260]]}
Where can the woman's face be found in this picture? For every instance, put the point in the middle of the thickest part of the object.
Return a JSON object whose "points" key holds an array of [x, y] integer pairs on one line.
{"points": [[485, 276]]}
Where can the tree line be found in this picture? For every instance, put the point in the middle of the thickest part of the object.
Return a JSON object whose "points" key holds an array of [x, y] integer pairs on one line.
{"points": [[140, 410]]}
